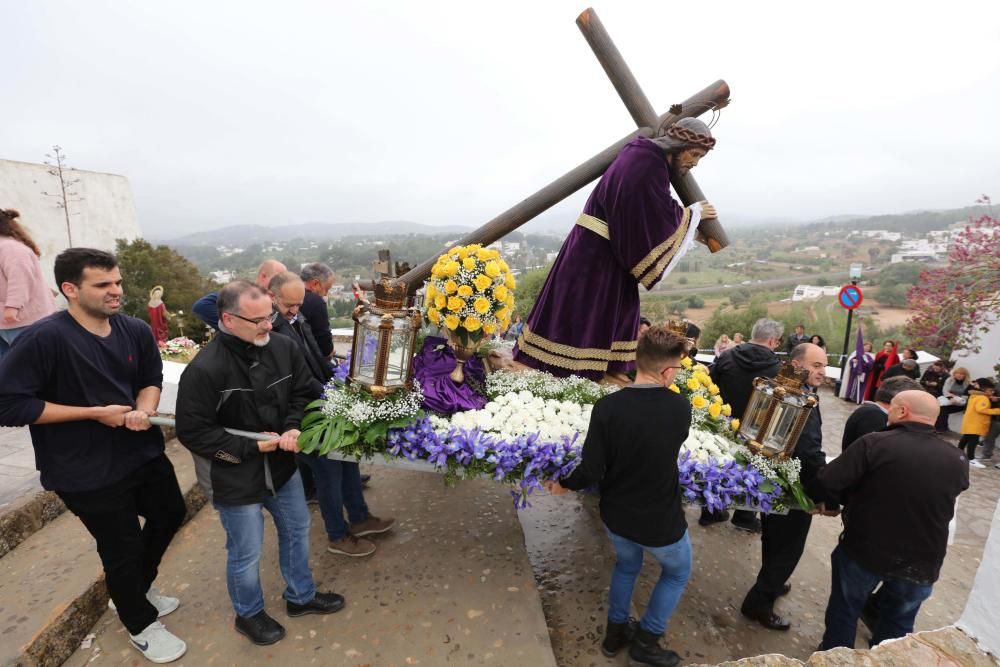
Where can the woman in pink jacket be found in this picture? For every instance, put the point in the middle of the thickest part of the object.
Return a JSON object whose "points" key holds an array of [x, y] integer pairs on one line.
{"points": [[24, 296]]}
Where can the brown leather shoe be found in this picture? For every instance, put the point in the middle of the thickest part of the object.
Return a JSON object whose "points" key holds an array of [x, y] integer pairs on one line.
{"points": [[767, 618], [372, 526], [350, 545]]}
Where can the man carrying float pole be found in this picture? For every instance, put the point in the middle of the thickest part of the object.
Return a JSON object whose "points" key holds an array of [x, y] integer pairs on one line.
{"points": [[631, 232]]}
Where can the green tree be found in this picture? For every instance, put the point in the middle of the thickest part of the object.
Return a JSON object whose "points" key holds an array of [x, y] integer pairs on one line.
{"points": [[529, 286], [695, 301], [144, 266]]}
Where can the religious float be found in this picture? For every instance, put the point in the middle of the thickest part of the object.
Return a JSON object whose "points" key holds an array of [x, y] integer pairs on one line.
{"points": [[444, 408]]}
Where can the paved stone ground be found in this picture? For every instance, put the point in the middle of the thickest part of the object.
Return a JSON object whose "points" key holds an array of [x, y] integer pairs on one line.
{"points": [[573, 559], [451, 584]]}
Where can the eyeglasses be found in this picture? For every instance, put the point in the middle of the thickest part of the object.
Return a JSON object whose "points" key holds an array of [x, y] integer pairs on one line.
{"points": [[257, 321]]}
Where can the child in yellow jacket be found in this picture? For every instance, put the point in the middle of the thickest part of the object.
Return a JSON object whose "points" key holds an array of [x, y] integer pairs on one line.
{"points": [[976, 422]]}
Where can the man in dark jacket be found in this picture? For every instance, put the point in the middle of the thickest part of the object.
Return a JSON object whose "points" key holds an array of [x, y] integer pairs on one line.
{"points": [[797, 338], [734, 373], [783, 538], [902, 484], [933, 378], [873, 416], [318, 279], [905, 368], [338, 483], [246, 379]]}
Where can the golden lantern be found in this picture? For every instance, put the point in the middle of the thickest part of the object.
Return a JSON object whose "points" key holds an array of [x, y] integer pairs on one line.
{"points": [[777, 412], [385, 339]]}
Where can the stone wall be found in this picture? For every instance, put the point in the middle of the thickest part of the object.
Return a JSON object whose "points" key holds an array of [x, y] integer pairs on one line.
{"points": [[105, 210]]}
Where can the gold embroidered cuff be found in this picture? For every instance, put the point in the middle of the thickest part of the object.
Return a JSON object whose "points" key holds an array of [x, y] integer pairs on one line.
{"points": [[674, 239], [620, 350]]}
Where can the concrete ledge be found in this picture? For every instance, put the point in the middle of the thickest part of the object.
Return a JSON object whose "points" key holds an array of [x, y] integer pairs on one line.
{"points": [[52, 584], [947, 647], [25, 517]]}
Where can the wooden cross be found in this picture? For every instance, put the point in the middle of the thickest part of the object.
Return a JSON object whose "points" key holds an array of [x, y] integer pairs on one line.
{"points": [[715, 96]]}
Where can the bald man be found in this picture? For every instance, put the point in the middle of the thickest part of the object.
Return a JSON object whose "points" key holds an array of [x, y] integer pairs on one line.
{"points": [[902, 484], [207, 310], [783, 537]]}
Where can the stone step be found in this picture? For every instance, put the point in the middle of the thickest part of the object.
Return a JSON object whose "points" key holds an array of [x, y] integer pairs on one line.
{"points": [[52, 584], [451, 584]]}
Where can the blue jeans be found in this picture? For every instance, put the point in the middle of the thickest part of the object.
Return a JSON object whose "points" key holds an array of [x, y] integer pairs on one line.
{"points": [[675, 564], [338, 485], [7, 337], [898, 602], [244, 526]]}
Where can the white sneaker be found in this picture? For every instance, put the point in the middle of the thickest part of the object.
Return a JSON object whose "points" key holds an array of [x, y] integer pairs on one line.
{"points": [[975, 464], [164, 604], [157, 644]]}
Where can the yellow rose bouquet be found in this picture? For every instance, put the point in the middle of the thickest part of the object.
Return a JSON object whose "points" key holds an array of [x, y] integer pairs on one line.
{"points": [[709, 412], [470, 293]]}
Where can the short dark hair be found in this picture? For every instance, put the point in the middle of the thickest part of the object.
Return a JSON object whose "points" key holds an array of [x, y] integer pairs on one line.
{"points": [[693, 331], [894, 385], [986, 383], [645, 320], [229, 296], [657, 346], [71, 262], [798, 352]]}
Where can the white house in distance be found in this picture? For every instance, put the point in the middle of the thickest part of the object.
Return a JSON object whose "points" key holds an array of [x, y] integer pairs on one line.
{"points": [[879, 234], [811, 292], [102, 211]]}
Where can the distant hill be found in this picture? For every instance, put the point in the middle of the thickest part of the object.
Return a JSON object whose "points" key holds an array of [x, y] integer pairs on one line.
{"points": [[914, 222], [316, 231]]}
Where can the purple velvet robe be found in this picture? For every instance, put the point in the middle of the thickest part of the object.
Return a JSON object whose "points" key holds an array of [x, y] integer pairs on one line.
{"points": [[586, 319]]}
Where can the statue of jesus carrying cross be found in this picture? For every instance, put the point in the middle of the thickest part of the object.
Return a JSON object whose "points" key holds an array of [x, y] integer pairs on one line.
{"points": [[631, 232]]}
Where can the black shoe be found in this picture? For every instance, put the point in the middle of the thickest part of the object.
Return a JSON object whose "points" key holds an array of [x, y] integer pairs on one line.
{"points": [[260, 628], [707, 518], [364, 480], [767, 618], [322, 603], [751, 526], [646, 650], [618, 636]]}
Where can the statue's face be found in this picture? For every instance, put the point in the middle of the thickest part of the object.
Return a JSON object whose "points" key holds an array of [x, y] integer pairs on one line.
{"points": [[688, 159], [157, 293]]}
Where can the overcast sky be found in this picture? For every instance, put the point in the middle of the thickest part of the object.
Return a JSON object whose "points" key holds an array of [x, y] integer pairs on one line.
{"points": [[450, 112]]}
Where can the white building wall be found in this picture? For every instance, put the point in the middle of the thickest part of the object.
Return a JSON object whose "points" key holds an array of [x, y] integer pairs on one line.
{"points": [[105, 212]]}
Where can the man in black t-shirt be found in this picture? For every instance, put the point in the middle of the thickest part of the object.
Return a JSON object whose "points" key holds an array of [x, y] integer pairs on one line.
{"points": [[633, 440], [872, 416], [87, 380]]}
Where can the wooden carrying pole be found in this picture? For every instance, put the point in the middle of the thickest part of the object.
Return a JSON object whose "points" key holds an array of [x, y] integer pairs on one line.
{"points": [[642, 112], [713, 96]]}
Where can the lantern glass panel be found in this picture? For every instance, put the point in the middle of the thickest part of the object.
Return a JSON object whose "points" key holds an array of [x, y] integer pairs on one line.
{"points": [[754, 415], [400, 344], [781, 426], [366, 349]]}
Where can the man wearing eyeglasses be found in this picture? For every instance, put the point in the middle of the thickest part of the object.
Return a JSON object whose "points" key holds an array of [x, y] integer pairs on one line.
{"points": [[247, 379]]}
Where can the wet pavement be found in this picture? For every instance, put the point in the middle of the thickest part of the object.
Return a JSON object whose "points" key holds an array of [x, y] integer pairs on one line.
{"points": [[450, 584], [573, 559]]}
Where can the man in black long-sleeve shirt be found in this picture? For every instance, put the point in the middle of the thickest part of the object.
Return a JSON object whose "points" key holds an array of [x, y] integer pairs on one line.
{"points": [[784, 537], [631, 450], [87, 380], [902, 484]]}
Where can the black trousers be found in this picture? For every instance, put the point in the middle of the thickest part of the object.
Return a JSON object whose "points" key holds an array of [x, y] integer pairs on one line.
{"points": [[969, 442], [782, 540], [131, 554]]}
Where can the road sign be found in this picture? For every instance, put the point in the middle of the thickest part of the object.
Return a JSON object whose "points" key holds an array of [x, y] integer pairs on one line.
{"points": [[850, 296], [856, 271]]}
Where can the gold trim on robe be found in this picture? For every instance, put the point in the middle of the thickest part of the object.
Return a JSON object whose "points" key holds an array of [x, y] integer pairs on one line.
{"points": [[657, 270], [560, 362], [620, 350], [595, 225]]}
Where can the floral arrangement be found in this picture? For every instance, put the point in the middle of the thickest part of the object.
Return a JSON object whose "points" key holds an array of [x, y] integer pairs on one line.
{"points": [[543, 385], [708, 411], [522, 413], [470, 293], [353, 421], [181, 346]]}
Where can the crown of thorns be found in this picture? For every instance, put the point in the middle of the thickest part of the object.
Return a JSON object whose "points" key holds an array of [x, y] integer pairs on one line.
{"points": [[691, 137]]}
